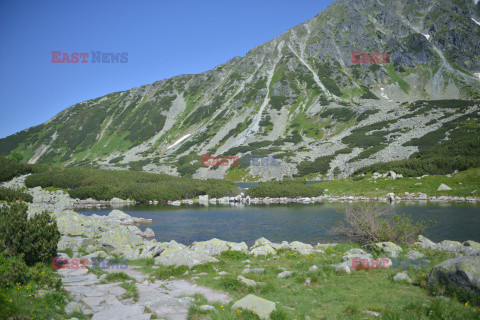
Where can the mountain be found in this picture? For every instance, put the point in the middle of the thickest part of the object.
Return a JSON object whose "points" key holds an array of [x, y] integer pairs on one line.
{"points": [[298, 98]]}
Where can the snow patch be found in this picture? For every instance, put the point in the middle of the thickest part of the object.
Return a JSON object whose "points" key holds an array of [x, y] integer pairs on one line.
{"points": [[426, 36], [383, 94], [179, 140], [476, 20]]}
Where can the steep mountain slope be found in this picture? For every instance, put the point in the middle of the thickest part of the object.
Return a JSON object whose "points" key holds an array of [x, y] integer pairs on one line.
{"points": [[297, 97]]}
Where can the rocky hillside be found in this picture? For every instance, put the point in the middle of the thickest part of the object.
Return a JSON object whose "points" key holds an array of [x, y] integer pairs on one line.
{"points": [[298, 98]]}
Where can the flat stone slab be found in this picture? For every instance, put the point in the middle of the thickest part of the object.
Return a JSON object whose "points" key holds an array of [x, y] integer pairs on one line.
{"points": [[262, 307], [122, 313]]}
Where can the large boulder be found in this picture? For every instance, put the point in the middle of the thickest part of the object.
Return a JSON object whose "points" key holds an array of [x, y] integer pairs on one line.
{"points": [[472, 244], [426, 243], [458, 273], [72, 224], [262, 307], [179, 255], [261, 242], [263, 250], [450, 246], [302, 248], [118, 215], [118, 237], [216, 246], [73, 243]]}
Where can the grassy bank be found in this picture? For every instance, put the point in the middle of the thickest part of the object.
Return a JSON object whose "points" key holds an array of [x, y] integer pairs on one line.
{"points": [[465, 183], [328, 295]]}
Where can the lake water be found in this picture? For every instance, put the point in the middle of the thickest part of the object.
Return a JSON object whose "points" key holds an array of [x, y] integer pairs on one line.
{"points": [[309, 223]]}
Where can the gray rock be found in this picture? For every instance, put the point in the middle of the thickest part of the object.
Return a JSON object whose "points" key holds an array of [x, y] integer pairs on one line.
{"points": [[302, 248], [402, 277], [342, 267], [248, 282], [472, 244], [450, 246], [122, 312], [284, 274], [118, 215], [313, 268], [262, 307], [148, 233], [253, 270], [179, 255], [207, 307], [414, 255], [443, 187], [425, 243], [216, 246], [73, 307], [460, 273], [389, 247], [263, 250]]}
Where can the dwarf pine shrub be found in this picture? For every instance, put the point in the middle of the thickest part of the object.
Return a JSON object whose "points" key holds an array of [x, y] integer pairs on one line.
{"points": [[35, 239]]}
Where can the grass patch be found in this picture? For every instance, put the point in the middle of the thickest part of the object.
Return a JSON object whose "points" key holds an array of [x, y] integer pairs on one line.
{"points": [[132, 291], [463, 184], [329, 295]]}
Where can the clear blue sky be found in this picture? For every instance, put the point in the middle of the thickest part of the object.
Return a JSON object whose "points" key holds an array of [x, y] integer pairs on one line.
{"points": [[162, 39]]}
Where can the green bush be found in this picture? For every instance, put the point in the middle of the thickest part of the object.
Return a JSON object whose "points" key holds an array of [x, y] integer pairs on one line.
{"points": [[320, 165], [86, 183], [286, 188], [10, 195], [10, 169], [35, 239], [370, 223], [14, 271]]}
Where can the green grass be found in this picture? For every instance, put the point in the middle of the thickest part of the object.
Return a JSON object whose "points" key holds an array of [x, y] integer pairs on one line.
{"points": [[118, 276], [462, 183], [330, 295], [132, 291], [396, 78]]}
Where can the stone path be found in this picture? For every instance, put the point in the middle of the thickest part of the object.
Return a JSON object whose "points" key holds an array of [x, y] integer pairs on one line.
{"points": [[168, 299]]}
